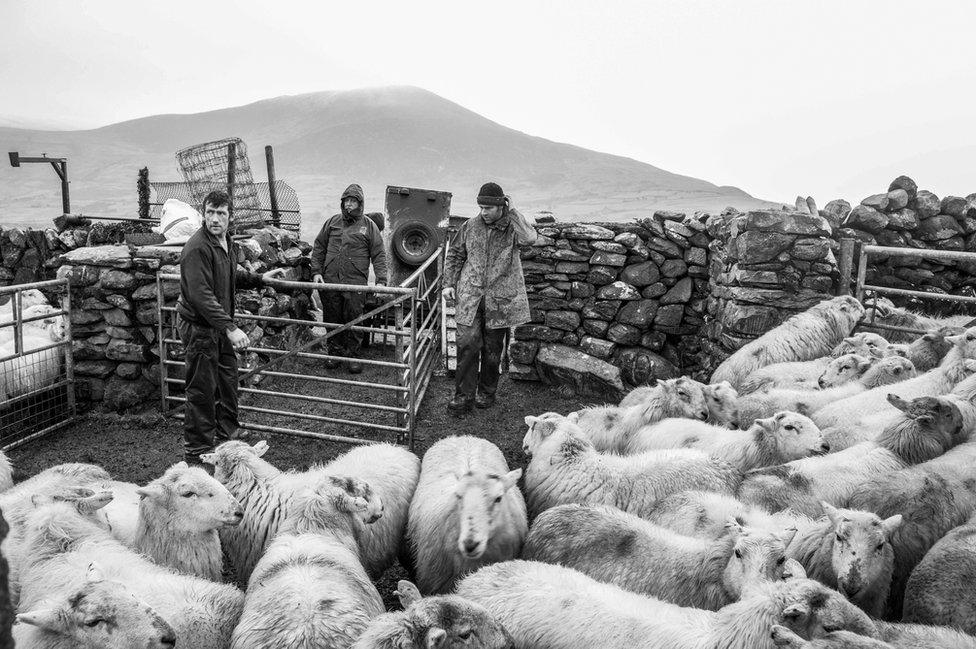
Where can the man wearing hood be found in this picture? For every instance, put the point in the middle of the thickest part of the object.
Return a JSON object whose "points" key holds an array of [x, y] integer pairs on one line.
{"points": [[342, 252], [483, 272]]}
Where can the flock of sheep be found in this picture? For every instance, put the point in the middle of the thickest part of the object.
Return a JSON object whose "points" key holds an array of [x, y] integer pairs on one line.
{"points": [[817, 494], [30, 370]]}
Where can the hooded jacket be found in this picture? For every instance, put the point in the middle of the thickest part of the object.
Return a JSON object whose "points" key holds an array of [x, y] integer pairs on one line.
{"points": [[347, 243]]}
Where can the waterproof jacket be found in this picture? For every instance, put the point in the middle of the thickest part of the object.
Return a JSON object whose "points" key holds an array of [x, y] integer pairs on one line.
{"points": [[346, 245], [209, 277], [484, 263]]}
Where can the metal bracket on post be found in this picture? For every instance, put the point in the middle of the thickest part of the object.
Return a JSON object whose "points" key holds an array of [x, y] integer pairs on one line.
{"points": [[60, 168]]}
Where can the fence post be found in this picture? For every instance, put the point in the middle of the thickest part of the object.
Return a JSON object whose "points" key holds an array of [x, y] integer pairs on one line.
{"points": [[862, 271], [69, 359], [844, 265], [272, 190], [398, 350], [142, 188], [412, 394], [161, 333]]}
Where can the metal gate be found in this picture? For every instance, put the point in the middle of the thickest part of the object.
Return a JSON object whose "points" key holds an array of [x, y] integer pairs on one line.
{"points": [[295, 395], [37, 391]]}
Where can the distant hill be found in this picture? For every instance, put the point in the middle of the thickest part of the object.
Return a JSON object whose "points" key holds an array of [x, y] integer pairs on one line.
{"points": [[376, 137]]}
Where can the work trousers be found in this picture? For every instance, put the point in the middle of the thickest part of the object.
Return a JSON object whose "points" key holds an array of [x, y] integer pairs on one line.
{"points": [[340, 308], [211, 389], [478, 347]]}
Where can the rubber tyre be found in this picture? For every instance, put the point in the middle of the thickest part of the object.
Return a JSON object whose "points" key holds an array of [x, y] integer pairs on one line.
{"points": [[414, 242]]}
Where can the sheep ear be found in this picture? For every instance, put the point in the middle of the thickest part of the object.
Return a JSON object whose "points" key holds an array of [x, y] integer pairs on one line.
{"points": [[545, 427], [787, 535], [796, 611], [436, 637], [94, 502], [510, 478], [889, 525], [407, 593], [970, 364], [733, 527], [530, 421], [831, 512], [151, 491], [898, 402], [864, 366], [783, 637], [793, 569], [768, 424], [209, 458], [261, 447], [180, 465], [45, 618], [94, 574]]}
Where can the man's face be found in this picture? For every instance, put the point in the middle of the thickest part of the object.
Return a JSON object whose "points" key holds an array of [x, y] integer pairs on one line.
{"points": [[216, 219], [350, 204], [491, 213]]}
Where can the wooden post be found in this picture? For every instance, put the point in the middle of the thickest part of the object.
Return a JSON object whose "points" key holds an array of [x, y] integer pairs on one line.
{"points": [[272, 190], [844, 264], [142, 189], [862, 271], [231, 175]]}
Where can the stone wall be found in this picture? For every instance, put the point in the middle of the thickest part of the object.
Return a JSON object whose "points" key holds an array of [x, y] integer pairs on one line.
{"points": [[628, 295]]}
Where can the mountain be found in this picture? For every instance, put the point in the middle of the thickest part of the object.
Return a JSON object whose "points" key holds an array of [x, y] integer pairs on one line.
{"points": [[375, 136]]}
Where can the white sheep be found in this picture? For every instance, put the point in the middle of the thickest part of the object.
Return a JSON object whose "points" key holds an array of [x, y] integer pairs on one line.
{"points": [[928, 427], [619, 548], [32, 327], [553, 607], [883, 372], [610, 427], [783, 637], [922, 636], [392, 472], [704, 514], [566, 468], [720, 400], [805, 336], [174, 520], [6, 472], [794, 374], [28, 298], [441, 622], [844, 369], [887, 313], [60, 545], [309, 589], [30, 371], [935, 382], [466, 512], [100, 614], [781, 438]]}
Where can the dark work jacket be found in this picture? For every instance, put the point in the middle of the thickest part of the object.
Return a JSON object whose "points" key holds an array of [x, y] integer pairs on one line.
{"points": [[343, 249], [208, 280]]}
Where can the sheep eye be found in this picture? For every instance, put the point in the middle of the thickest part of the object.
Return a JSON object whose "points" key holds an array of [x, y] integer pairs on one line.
{"points": [[738, 553], [969, 337], [189, 494], [94, 623], [498, 500], [789, 427], [897, 370], [845, 367], [464, 635], [879, 548], [781, 561], [839, 537]]}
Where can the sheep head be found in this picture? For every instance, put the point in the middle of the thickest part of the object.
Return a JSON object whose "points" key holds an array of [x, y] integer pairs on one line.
{"points": [[888, 370], [451, 622], [683, 398], [862, 554], [844, 311], [864, 343], [965, 343], [191, 500], [722, 401], [843, 369], [541, 427], [897, 349], [103, 614], [783, 637], [479, 498], [929, 426], [810, 609], [757, 557], [793, 435], [231, 460]]}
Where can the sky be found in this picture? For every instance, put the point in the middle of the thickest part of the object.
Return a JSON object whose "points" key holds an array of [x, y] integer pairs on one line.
{"points": [[825, 98]]}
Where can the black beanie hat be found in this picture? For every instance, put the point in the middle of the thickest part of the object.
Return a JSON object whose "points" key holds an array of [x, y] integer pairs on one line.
{"points": [[491, 194]]}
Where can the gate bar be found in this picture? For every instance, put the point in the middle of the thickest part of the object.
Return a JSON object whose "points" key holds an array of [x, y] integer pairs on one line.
{"points": [[300, 433], [933, 296]]}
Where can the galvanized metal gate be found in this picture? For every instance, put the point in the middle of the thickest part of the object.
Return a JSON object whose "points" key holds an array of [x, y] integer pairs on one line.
{"points": [[300, 397], [37, 390]]}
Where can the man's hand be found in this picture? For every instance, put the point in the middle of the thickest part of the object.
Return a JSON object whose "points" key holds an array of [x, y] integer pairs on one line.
{"points": [[317, 278], [238, 339], [448, 293], [272, 275]]}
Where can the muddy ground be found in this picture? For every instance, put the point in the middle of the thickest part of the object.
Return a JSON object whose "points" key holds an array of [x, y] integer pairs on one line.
{"points": [[139, 447]]}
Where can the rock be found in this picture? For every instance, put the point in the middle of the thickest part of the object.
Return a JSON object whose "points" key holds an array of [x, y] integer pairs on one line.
{"points": [[639, 313], [588, 231], [124, 350], [537, 332], [751, 320], [168, 255], [565, 254], [601, 275], [597, 347], [565, 320], [122, 394], [667, 248], [937, 228], [954, 206], [653, 340], [926, 204], [523, 351], [836, 211], [905, 183], [957, 244], [520, 372], [596, 327], [897, 200], [570, 339], [876, 201], [817, 283], [107, 256], [654, 290], [758, 247], [588, 375], [679, 229], [82, 317], [696, 256], [572, 267], [128, 370], [667, 215], [640, 274], [551, 291], [866, 218], [610, 246], [122, 333], [811, 249], [581, 290], [783, 222], [602, 258], [968, 224], [602, 310], [640, 366], [891, 239], [147, 313], [674, 268], [99, 369], [679, 293], [89, 389], [87, 349], [624, 334], [116, 318], [669, 315], [617, 291], [628, 239], [903, 219], [117, 280]]}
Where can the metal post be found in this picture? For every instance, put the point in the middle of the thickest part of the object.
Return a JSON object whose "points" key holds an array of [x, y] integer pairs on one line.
{"points": [[862, 271], [63, 173], [844, 265], [160, 333], [17, 305], [412, 394], [272, 190], [398, 350], [69, 359], [231, 176]]}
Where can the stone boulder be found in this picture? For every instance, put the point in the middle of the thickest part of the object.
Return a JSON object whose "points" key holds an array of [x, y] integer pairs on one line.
{"points": [[927, 204], [903, 219], [954, 206], [905, 183], [836, 211], [641, 366], [938, 228], [586, 374], [122, 394], [617, 291], [877, 201], [897, 199], [866, 218], [588, 231]]}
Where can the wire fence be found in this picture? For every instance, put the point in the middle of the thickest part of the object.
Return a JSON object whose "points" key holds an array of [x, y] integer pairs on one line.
{"points": [[287, 217]]}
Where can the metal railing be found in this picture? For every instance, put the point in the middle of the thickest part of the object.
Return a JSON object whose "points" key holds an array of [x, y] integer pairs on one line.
{"points": [[37, 387], [292, 385]]}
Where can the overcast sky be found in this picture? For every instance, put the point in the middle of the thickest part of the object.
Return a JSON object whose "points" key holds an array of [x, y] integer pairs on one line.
{"points": [[777, 97]]}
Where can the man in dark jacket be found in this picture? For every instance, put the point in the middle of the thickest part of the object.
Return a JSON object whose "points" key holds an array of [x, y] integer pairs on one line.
{"points": [[342, 252], [208, 279], [483, 271]]}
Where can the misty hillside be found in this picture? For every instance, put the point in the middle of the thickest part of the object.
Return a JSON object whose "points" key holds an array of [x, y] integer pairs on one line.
{"points": [[324, 141]]}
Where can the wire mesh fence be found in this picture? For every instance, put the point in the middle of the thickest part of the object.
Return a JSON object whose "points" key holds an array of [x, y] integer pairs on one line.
{"points": [[288, 216], [36, 367], [205, 167]]}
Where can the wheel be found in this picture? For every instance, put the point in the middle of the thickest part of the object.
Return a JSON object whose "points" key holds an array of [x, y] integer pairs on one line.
{"points": [[378, 218], [414, 242]]}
